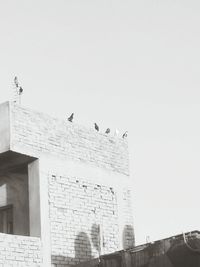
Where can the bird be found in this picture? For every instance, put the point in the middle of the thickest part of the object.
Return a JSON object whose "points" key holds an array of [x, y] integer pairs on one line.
{"points": [[16, 81], [96, 127], [125, 134], [20, 90], [71, 117], [107, 131]]}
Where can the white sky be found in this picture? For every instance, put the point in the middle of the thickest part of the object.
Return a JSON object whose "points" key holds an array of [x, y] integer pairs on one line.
{"points": [[131, 65]]}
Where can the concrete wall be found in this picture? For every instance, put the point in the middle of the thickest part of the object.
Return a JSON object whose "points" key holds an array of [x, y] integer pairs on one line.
{"points": [[34, 199], [20, 251], [14, 190]]}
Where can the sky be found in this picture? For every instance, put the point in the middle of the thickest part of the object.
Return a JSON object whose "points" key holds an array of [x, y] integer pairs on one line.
{"points": [[125, 64]]}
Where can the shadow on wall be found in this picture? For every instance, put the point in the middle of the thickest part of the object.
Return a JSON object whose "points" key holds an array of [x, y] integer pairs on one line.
{"points": [[128, 237], [95, 237], [83, 252], [83, 246]]}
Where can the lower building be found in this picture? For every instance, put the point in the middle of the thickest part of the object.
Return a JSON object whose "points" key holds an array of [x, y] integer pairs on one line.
{"points": [[176, 251]]}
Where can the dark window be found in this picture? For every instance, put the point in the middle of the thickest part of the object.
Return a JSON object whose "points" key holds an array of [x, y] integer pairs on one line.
{"points": [[6, 219]]}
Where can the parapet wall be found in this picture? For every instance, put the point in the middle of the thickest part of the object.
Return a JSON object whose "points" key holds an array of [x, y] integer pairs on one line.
{"points": [[37, 133], [20, 251]]}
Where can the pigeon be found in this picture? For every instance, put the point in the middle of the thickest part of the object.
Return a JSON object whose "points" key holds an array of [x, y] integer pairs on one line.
{"points": [[20, 90], [71, 117], [96, 126], [107, 131], [16, 81], [125, 134]]}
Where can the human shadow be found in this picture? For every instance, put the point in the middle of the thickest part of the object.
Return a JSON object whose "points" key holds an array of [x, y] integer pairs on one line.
{"points": [[82, 250], [82, 247]]}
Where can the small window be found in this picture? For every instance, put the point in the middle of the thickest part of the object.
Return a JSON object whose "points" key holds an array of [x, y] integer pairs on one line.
{"points": [[6, 219]]}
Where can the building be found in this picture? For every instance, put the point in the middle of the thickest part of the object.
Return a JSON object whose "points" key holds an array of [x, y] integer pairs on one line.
{"points": [[182, 250], [65, 191]]}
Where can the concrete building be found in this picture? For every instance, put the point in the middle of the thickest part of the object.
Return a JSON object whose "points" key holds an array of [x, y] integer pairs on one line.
{"points": [[65, 191]]}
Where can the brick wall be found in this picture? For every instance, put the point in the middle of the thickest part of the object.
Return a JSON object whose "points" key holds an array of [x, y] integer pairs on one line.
{"points": [[77, 210], [38, 133], [20, 251]]}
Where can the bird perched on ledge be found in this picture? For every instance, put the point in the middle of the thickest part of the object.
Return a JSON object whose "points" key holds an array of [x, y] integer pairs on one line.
{"points": [[96, 127], [20, 90], [16, 81], [107, 131], [71, 117], [125, 134]]}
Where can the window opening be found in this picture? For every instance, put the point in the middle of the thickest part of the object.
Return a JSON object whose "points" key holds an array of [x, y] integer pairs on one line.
{"points": [[6, 219]]}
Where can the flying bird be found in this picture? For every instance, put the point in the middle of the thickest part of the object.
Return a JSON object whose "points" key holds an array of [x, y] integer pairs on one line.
{"points": [[96, 126], [107, 131], [125, 134], [71, 117]]}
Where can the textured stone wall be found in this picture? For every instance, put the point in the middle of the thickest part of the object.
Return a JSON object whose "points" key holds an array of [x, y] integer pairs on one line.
{"points": [[38, 133], [79, 211], [20, 251]]}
